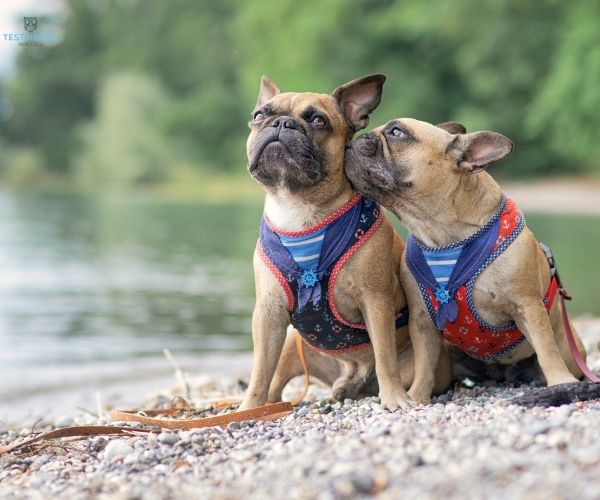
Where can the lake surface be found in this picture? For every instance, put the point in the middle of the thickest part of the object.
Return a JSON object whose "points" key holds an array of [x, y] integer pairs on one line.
{"points": [[92, 290]]}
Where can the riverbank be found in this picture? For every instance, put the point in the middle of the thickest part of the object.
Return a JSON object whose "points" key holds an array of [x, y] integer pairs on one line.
{"points": [[470, 442], [571, 195], [557, 196]]}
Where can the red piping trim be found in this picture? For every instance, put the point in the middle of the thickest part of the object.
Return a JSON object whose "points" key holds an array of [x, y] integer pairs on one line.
{"points": [[278, 275], [330, 218], [338, 266]]}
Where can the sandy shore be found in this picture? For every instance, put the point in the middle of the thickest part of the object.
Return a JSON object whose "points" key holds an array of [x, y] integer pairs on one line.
{"points": [[557, 196], [470, 442]]}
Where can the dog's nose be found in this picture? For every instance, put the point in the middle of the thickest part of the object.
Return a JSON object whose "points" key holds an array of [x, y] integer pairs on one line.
{"points": [[367, 145], [285, 122]]}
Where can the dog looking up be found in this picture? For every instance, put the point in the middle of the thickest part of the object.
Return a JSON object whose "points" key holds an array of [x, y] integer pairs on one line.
{"points": [[327, 259]]}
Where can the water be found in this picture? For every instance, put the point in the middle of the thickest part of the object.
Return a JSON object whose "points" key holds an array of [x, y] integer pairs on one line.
{"points": [[92, 290]]}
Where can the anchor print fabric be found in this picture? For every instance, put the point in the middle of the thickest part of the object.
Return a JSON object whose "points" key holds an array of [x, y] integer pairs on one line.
{"points": [[314, 314]]}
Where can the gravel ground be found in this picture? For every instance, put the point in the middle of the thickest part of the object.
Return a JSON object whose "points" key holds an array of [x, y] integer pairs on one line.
{"points": [[470, 442]]}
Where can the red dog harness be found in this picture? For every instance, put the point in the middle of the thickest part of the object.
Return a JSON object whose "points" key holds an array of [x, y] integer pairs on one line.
{"points": [[459, 322]]}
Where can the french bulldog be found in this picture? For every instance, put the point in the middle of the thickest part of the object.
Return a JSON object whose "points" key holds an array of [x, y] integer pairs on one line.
{"points": [[295, 151], [472, 269]]}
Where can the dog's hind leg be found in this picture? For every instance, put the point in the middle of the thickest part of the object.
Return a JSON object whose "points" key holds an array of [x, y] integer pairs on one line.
{"points": [[532, 319], [353, 380], [563, 344], [325, 368]]}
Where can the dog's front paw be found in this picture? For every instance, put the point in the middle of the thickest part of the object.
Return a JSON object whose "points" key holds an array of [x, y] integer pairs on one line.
{"points": [[248, 404], [396, 399], [419, 396], [566, 378]]}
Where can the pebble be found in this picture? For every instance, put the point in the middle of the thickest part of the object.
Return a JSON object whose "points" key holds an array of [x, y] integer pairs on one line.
{"points": [[331, 450], [98, 444], [168, 438], [302, 411], [64, 421], [116, 448], [131, 458], [233, 426]]}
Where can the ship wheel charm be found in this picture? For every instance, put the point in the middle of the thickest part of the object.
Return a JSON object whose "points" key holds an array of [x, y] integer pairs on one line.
{"points": [[309, 278]]}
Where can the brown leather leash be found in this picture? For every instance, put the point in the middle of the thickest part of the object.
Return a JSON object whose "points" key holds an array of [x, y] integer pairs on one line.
{"points": [[585, 369], [271, 411], [300, 351], [265, 412]]}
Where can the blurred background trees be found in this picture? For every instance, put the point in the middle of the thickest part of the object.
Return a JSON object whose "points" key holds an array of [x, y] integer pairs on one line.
{"points": [[136, 89]]}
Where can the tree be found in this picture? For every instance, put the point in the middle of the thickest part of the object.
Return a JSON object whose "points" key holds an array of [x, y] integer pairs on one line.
{"points": [[125, 144], [564, 114]]}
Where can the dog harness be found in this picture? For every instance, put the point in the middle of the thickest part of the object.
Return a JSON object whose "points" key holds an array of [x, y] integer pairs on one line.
{"points": [[307, 263], [446, 275]]}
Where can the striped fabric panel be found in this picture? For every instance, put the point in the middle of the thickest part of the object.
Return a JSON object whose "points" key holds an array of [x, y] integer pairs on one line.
{"points": [[442, 263], [305, 250]]}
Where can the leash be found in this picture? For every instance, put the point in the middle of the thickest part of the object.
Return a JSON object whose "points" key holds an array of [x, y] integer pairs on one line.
{"points": [[271, 411], [585, 369], [264, 412], [300, 352], [564, 296]]}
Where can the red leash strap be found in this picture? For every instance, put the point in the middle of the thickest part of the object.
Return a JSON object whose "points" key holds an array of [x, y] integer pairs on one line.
{"points": [[571, 339]]}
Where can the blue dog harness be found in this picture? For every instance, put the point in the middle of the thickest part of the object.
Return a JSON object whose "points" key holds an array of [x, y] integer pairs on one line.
{"points": [[306, 264]]}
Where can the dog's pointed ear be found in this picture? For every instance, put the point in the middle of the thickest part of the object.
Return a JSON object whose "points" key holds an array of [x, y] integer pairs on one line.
{"points": [[357, 99], [453, 127], [267, 91], [476, 151]]}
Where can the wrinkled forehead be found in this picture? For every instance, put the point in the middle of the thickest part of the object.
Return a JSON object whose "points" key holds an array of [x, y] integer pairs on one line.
{"points": [[422, 131], [298, 104]]}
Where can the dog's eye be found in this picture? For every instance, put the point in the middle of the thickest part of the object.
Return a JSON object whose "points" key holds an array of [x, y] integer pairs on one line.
{"points": [[318, 121], [397, 132], [259, 116]]}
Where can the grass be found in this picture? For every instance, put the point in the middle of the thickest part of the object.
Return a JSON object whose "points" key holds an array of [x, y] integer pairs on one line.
{"points": [[188, 183]]}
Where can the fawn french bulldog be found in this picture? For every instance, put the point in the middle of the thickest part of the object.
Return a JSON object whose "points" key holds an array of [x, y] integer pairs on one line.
{"points": [[327, 260], [472, 269]]}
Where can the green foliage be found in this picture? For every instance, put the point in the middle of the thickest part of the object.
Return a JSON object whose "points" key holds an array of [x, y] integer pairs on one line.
{"points": [[22, 167], [125, 144], [526, 68], [566, 110]]}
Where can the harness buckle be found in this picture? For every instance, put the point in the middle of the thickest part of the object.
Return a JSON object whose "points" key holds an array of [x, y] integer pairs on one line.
{"points": [[554, 269]]}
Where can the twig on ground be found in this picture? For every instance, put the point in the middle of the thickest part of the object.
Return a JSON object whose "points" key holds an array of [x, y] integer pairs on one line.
{"points": [[99, 407], [179, 374], [35, 423]]}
